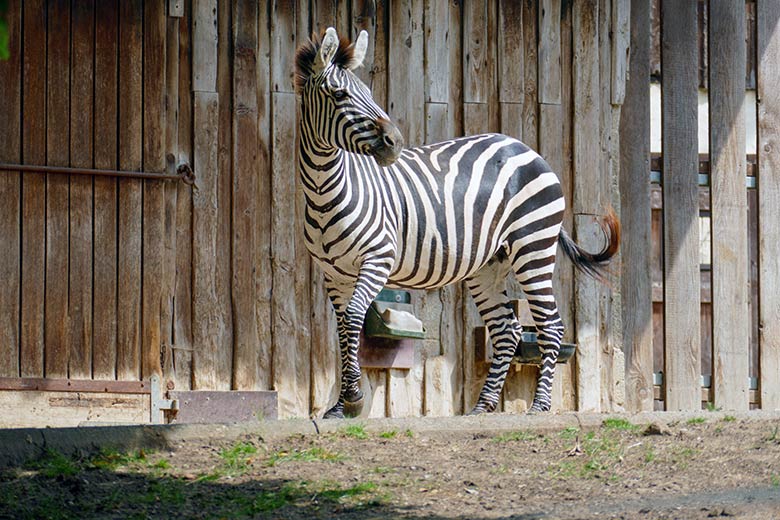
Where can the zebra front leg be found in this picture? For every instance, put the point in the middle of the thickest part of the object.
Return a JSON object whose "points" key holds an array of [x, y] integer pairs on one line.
{"points": [[351, 306]]}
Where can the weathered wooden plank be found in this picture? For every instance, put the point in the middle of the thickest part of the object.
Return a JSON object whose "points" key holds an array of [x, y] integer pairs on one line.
{"points": [[768, 147], [436, 17], [245, 162], [621, 36], [204, 45], [10, 193], [286, 316], [530, 117], [57, 189], [207, 325], [364, 17], [263, 271], [105, 209], [81, 192], [729, 206], [455, 47], [375, 381], [511, 69], [154, 191], [182, 327], [477, 73], [681, 214], [586, 197], [405, 94], [549, 52], [283, 39], [635, 218], [34, 192]]}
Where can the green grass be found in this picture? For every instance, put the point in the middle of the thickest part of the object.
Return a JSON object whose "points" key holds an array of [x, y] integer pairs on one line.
{"points": [[614, 423], [650, 455], [311, 493], [696, 420], [774, 437], [569, 433], [514, 436], [54, 464], [112, 460], [355, 431], [409, 433], [390, 434], [306, 455], [775, 480], [710, 407], [729, 418], [236, 459]]}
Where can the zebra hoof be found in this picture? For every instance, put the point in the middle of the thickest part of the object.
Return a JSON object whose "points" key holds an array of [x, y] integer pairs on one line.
{"points": [[354, 408], [481, 408], [337, 412]]}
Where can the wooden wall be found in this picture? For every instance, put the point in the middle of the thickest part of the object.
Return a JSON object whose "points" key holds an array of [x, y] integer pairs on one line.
{"points": [[111, 278]]}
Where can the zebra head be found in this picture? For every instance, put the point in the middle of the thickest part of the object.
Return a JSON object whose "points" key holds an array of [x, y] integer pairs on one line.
{"points": [[337, 109]]}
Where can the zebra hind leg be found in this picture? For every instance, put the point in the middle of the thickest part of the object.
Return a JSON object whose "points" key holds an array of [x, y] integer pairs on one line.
{"points": [[488, 289]]}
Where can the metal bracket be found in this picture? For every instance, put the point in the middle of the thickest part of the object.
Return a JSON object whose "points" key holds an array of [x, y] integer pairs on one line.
{"points": [[159, 403]]}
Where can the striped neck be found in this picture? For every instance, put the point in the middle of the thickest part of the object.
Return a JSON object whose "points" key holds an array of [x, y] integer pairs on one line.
{"points": [[322, 171]]}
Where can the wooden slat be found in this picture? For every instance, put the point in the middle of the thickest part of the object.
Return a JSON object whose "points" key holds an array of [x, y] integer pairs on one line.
{"points": [[406, 91], [476, 52], [681, 214], [206, 323], [731, 326], [550, 52], [204, 45], [283, 40], [530, 67], [57, 189], [34, 189], [511, 70], [10, 184], [154, 191], [129, 214], [768, 146], [105, 217], [621, 30], [586, 198], [364, 17], [246, 369], [263, 272], [182, 346], [635, 218], [437, 65], [71, 385], [81, 192]]}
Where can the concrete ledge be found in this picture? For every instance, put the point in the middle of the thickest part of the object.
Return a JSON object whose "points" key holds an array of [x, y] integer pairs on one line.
{"points": [[20, 445]]}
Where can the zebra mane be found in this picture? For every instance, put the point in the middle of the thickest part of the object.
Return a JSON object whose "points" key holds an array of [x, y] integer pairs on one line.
{"points": [[307, 52]]}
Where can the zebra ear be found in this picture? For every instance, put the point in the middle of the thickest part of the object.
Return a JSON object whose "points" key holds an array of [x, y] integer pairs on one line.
{"points": [[359, 51], [328, 48]]}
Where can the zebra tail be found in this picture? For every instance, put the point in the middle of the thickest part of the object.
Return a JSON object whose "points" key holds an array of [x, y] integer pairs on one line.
{"points": [[594, 264]]}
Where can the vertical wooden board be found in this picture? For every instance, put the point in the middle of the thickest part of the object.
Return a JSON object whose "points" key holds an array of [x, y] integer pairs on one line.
{"points": [[154, 191], [206, 318], [129, 213], [57, 189], [729, 206], [325, 358], [405, 94], [246, 367], [586, 197], [455, 48], [263, 271], [286, 317], [451, 338], [81, 191], [681, 209], [768, 147], [204, 45], [520, 388], [621, 29], [324, 14], [283, 41], [437, 66], [182, 326], [34, 189], [10, 191], [530, 117], [376, 382], [511, 69], [379, 74], [549, 51], [477, 73], [364, 17], [438, 388], [105, 208], [635, 213]]}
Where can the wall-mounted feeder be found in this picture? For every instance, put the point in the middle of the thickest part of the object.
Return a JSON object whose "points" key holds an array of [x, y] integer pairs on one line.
{"points": [[388, 332]]}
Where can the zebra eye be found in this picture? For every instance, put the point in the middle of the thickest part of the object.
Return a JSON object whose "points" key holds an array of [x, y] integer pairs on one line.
{"points": [[340, 94]]}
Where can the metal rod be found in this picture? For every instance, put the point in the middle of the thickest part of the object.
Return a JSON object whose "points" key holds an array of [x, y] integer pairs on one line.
{"points": [[184, 172]]}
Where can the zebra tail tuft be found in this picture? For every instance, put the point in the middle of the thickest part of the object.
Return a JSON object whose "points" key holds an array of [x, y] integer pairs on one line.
{"points": [[594, 265]]}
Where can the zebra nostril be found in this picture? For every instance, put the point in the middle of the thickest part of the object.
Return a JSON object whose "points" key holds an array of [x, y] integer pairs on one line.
{"points": [[388, 140]]}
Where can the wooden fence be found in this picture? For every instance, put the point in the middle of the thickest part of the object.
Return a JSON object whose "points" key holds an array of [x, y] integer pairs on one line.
{"points": [[708, 260]]}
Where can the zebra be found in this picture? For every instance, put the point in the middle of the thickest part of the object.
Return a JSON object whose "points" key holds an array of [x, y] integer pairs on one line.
{"points": [[471, 209]]}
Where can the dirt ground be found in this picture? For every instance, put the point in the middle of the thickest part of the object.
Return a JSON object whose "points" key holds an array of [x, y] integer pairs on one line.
{"points": [[703, 468]]}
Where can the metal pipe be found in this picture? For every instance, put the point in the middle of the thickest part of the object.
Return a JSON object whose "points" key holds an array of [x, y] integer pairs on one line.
{"points": [[183, 172]]}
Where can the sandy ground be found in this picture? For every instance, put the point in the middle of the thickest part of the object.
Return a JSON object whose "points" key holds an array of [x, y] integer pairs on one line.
{"points": [[706, 467]]}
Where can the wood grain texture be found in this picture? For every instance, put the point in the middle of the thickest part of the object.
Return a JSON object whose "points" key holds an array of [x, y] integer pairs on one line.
{"points": [[731, 326], [768, 16], [364, 17], [246, 368], [34, 190], [549, 52], [530, 68], [10, 193], [207, 324], [283, 40], [81, 191], [635, 218], [405, 94], [621, 37], [57, 189], [681, 212], [204, 45], [511, 59], [104, 347]]}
